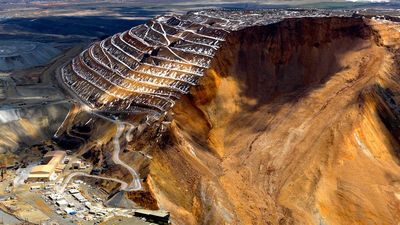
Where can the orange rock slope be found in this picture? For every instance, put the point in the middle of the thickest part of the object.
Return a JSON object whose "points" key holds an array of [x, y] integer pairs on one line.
{"points": [[294, 123]]}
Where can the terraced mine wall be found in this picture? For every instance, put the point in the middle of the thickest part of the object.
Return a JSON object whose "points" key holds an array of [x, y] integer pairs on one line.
{"points": [[144, 69], [149, 67], [17, 55]]}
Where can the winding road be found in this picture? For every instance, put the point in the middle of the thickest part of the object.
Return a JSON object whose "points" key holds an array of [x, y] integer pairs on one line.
{"points": [[135, 183], [123, 186]]}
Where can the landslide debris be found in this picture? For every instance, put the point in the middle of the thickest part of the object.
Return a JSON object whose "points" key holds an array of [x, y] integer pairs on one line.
{"points": [[293, 123]]}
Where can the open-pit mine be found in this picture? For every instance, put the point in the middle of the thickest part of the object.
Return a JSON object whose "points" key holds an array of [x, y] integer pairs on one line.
{"points": [[211, 117]]}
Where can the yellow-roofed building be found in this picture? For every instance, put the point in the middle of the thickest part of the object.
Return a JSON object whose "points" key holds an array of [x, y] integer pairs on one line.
{"points": [[53, 160]]}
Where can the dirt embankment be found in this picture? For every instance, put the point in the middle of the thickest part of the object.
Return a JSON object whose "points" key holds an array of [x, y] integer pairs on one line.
{"points": [[293, 123], [29, 126]]}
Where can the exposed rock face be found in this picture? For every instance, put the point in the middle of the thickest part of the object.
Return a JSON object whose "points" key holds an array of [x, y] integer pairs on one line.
{"points": [[294, 122]]}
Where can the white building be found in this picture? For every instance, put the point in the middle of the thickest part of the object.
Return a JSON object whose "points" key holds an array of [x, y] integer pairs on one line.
{"points": [[62, 202]]}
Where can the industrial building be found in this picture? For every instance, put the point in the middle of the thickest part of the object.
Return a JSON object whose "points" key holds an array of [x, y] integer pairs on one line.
{"points": [[62, 202], [157, 216], [70, 211], [52, 165]]}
